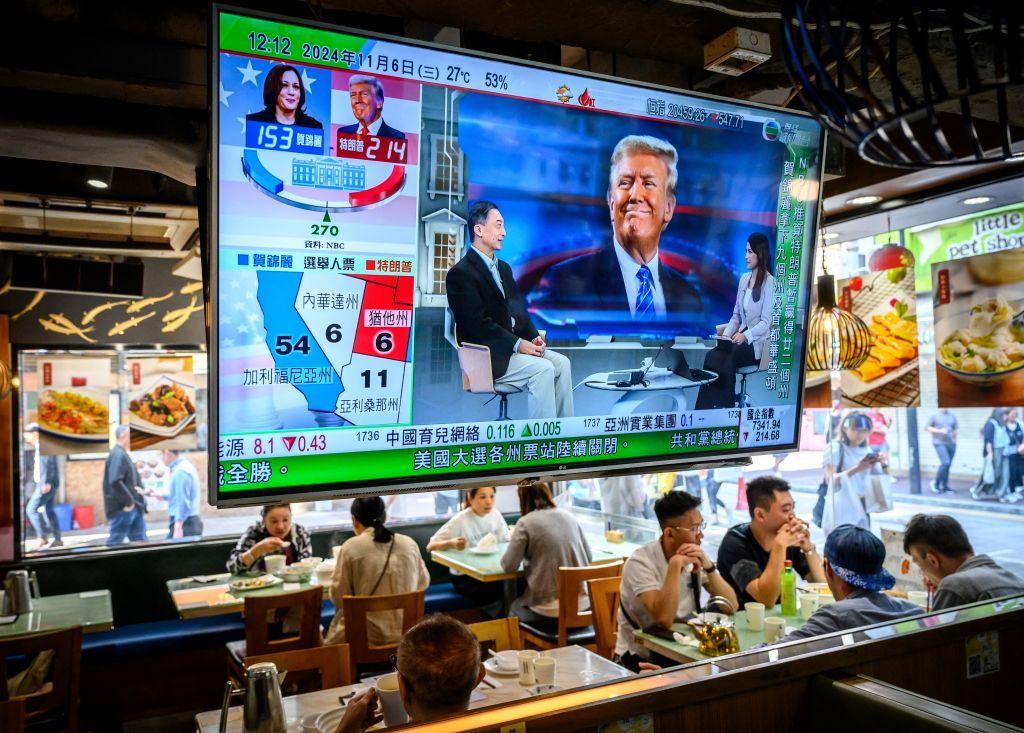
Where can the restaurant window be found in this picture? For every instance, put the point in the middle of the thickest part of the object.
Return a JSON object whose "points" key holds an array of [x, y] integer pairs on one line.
{"points": [[59, 388]]}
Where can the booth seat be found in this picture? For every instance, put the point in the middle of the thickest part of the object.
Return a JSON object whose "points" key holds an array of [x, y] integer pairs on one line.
{"points": [[177, 635]]}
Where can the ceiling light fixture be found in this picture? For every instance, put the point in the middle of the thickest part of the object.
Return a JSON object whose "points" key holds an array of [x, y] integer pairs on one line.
{"points": [[976, 200], [865, 200], [100, 177], [829, 235]]}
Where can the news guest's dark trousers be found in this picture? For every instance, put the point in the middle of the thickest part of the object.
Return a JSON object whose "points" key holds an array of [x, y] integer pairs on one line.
{"points": [[945, 451], [723, 361]]}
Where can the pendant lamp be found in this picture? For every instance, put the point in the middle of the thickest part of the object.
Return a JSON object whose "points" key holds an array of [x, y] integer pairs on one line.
{"points": [[836, 339]]}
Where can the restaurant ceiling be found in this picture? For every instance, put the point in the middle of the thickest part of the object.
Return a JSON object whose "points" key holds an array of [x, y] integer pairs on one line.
{"points": [[121, 83]]}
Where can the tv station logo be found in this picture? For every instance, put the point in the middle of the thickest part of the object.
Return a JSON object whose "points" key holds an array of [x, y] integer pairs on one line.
{"points": [[771, 130], [585, 99]]}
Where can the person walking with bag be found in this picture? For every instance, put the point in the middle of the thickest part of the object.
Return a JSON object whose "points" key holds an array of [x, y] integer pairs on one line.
{"points": [[995, 478], [857, 477]]}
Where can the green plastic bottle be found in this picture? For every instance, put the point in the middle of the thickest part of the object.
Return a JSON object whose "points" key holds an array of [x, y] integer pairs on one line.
{"points": [[788, 589]]}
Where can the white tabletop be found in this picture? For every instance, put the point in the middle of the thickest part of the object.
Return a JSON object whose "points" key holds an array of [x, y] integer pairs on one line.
{"points": [[574, 667]]}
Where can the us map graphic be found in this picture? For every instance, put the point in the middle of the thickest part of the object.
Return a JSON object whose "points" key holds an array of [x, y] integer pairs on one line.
{"points": [[349, 337]]}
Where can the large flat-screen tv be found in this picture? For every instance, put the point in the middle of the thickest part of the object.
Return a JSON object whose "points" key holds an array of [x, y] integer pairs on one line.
{"points": [[433, 267]]}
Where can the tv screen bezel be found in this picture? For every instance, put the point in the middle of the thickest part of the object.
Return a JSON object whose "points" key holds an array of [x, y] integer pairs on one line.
{"points": [[412, 484]]}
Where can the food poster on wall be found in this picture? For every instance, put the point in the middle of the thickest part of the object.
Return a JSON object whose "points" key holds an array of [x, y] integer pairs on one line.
{"points": [[162, 403], [890, 377], [979, 344], [73, 408], [996, 230]]}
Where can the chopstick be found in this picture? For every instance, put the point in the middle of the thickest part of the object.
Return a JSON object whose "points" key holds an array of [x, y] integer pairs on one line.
{"points": [[490, 684]]}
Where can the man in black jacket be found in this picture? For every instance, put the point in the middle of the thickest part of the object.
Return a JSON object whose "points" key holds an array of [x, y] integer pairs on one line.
{"points": [[489, 311], [122, 501]]}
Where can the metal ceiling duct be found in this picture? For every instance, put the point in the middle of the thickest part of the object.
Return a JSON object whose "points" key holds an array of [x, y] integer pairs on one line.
{"points": [[910, 84]]}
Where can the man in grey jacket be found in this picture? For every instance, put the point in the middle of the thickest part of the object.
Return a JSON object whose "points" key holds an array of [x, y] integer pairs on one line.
{"points": [[853, 570], [940, 548]]}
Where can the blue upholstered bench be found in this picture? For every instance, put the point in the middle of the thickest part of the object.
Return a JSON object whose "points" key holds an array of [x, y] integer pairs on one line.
{"points": [[154, 637]]}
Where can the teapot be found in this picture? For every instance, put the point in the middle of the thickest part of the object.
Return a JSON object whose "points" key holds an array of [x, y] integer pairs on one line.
{"points": [[263, 708], [17, 593]]}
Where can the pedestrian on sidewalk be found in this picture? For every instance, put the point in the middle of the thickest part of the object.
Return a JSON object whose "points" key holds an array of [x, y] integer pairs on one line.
{"points": [[851, 469], [995, 478], [943, 427], [1015, 432], [878, 439]]}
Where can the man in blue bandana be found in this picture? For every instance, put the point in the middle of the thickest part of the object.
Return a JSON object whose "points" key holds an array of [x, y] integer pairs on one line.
{"points": [[854, 572]]}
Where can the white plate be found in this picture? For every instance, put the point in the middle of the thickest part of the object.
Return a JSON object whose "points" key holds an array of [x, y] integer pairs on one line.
{"points": [[483, 551], [97, 395], [491, 665], [327, 722], [239, 585], [145, 426], [852, 386], [816, 377]]}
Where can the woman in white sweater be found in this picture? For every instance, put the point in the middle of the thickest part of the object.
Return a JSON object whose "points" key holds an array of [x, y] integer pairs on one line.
{"points": [[466, 529]]}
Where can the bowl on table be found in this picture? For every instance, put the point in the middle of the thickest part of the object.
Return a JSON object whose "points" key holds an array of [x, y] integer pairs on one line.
{"points": [[821, 590], [293, 574]]}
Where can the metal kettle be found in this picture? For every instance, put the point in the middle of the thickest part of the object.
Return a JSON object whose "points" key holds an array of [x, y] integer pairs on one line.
{"points": [[262, 709], [17, 593]]}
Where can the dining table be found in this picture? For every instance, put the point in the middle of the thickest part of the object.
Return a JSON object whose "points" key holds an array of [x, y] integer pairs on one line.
{"points": [[486, 566], [212, 595], [685, 653], [92, 610], [575, 667]]}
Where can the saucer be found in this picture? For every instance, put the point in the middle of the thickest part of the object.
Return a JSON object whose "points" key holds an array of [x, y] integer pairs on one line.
{"points": [[491, 665]]}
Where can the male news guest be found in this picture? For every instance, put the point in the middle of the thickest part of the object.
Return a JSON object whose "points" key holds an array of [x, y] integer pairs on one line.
{"points": [[366, 95], [627, 275], [746, 335], [489, 311], [284, 99]]}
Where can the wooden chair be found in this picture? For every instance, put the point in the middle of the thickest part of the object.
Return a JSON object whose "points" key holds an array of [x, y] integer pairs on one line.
{"points": [[604, 607], [12, 716], [327, 666], [61, 692], [257, 634], [355, 608], [500, 635], [573, 627]]}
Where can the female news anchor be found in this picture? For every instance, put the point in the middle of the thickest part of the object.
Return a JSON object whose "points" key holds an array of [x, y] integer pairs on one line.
{"points": [[746, 335], [284, 99]]}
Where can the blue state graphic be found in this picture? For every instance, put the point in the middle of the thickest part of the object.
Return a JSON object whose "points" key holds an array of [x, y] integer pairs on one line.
{"points": [[276, 294]]}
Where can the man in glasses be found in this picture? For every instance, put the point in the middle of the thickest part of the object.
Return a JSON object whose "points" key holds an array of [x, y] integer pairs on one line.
{"points": [[752, 555], [661, 581], [438, 665]]}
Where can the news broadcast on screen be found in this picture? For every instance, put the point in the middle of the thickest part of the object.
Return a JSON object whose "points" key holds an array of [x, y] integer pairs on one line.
{"points": [[431, 265]]}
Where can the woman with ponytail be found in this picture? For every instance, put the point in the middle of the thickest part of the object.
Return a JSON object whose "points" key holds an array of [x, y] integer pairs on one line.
{"points": [[375, 562]]}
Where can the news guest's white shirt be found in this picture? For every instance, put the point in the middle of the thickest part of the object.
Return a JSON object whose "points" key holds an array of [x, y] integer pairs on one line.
{"points": [[629, 268]]}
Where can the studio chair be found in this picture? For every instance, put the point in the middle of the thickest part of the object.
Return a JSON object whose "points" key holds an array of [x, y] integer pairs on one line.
{"points": [[258, 609], [743, 399], [574, 627], [309, 670], [475, 363], [604, 609], [355, 609], [51, 682], [501, 634]]}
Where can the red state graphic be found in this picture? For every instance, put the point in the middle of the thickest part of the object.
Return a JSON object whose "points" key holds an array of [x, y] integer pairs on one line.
{"points": [[391, 319]]}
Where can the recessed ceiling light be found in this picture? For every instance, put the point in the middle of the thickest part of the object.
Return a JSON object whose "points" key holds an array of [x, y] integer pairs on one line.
{"points": [[976, 200], [829, 235], [97, 183], [864, 200]]}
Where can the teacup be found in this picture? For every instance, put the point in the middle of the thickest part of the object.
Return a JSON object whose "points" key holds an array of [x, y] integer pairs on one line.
{"points": [[274, 563], [391, 700]]}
